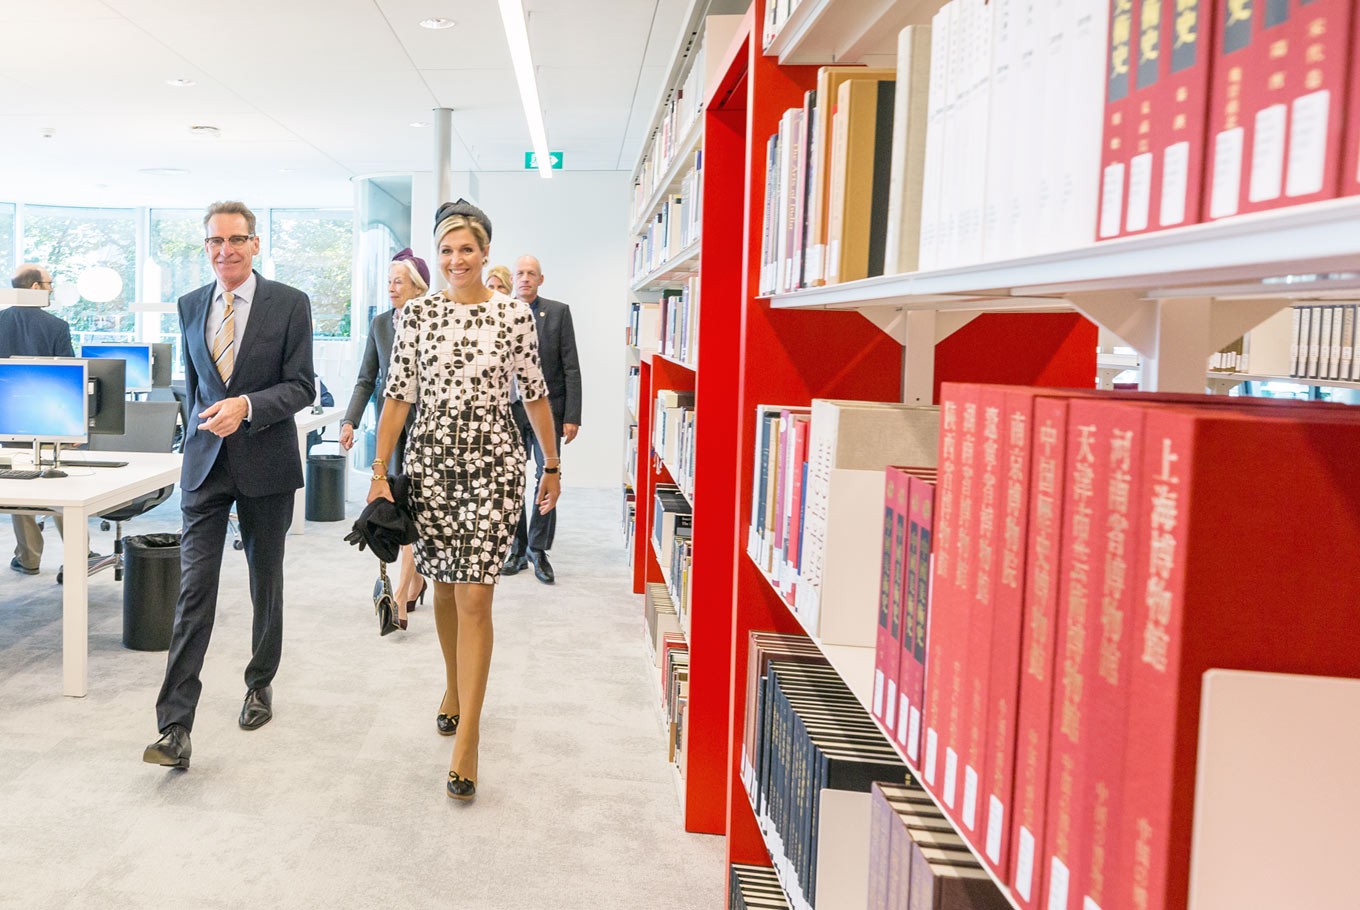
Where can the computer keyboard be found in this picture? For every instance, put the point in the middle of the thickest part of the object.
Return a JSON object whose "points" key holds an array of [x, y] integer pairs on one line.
{"points": [[88, 463], [15, 474]]}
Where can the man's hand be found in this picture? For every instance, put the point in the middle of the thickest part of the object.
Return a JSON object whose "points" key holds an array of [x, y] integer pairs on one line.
{"points": [[346, 436], [224, 418], [569, 431]]}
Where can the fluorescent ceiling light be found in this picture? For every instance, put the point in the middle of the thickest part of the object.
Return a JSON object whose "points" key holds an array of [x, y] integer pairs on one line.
{"points": [[517, 36], [437, 22]]}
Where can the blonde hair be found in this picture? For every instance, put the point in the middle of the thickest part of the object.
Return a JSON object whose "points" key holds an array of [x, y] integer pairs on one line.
{"points": [[454, 222], [502, 274]]}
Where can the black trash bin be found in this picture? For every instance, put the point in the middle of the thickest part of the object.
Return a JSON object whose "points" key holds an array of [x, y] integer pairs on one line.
{"points": [[325, 487], [150, 590]]}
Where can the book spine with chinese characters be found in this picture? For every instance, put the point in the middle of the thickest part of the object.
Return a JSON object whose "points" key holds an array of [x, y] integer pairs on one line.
{"points": [[1275, 116], [1199, 605], [1047, 489]]}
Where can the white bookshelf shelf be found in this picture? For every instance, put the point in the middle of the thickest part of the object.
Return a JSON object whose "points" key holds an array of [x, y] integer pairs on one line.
{"points": [[1303, 252], [854, 664], [680, 163], [847, 31], [672, 272]]}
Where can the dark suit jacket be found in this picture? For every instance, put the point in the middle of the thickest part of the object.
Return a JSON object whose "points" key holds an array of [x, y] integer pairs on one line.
{"points": [[373, 370], [27, 331], [273, 366], [557, 354]]}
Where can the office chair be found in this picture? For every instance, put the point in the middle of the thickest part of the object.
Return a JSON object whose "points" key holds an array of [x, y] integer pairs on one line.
{"points": [[148, 427]]}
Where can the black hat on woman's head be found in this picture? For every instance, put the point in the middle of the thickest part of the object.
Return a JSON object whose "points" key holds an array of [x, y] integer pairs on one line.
{"points": [[464, 208]]}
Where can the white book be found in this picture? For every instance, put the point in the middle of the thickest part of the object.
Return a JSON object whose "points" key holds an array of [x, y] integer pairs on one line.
{"points": [[1030, 137], [1079, 186], [933, 176], [1296, 316], [1347, 341], [1053, 123], [910, 115], [977, 111], [854, 436], [1314, 342], [1338, 339], [1325, 361], [997, 238]]}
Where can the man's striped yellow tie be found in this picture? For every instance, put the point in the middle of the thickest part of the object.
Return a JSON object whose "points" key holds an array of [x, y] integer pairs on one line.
{"points": [[224, 347]]}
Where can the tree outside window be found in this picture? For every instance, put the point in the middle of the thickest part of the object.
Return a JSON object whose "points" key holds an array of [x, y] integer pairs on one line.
{"points": [[68, 241], [313, 250], [176, 246], [7, 264]]}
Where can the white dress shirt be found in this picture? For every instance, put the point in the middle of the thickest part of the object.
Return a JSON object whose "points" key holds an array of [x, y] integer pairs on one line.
{"points": [[240, 306]]}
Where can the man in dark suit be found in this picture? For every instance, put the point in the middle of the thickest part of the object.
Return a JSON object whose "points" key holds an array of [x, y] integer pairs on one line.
{"points": [[27, 331], [562, 370], [248, 369]]}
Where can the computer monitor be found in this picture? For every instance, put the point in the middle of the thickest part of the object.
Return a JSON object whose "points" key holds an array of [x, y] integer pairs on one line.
{"points": [[138, 357], [162, 363], [43, 400], [107, 396]]}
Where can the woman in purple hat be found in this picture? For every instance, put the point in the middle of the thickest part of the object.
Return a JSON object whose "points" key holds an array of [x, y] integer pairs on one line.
{"points": [[408, 277]]}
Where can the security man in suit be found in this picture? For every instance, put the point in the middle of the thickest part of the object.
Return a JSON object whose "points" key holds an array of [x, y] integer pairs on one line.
{"points": [[248, 369], [562, 370], [27, 331]]}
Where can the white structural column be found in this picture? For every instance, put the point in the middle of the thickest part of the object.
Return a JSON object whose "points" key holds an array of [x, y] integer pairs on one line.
{"points": [[443, 155]]}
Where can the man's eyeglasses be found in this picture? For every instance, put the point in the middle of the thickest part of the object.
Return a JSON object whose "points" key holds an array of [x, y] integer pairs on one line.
{"points": [[236, 240]]}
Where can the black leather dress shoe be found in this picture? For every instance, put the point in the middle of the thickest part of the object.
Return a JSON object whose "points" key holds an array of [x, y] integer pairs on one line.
{"points": [[514, 564], [543, 569], [20, 567], [172, 750], [256, 710]]}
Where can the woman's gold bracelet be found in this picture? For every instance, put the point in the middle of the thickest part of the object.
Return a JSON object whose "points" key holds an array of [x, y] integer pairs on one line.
{"points": [[382, 477]]}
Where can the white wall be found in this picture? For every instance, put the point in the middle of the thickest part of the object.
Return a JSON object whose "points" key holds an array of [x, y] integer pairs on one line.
{"points": [[577, 226]]}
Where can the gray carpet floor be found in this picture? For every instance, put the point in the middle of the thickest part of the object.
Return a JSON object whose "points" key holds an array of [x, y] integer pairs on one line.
{"points": [[339, 801]]}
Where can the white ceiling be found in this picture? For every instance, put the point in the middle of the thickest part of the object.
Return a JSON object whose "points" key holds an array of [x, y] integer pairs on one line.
{"points": [[309, 93]]}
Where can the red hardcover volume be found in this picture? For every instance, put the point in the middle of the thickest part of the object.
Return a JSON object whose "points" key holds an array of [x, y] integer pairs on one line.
{"points": [[1249, 523], [1276, 104]]}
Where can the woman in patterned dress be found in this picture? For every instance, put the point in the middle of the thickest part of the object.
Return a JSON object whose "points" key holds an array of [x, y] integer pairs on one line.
{"points": [[455, 355]]}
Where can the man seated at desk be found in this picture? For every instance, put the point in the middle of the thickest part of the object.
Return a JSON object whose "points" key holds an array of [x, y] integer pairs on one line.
{"points": [[27, 331]]}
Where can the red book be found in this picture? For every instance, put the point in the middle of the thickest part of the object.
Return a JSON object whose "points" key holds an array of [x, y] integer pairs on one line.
{"points": [[946, 519], [1116, 136], [1350, 161], [1089, 699], [916, 611], [1047, 488], [1275, 116], [977, 589], [1178, 95], [888, 643], [1081, 575], [1008, 590], [950, 578], [1275, 594]]}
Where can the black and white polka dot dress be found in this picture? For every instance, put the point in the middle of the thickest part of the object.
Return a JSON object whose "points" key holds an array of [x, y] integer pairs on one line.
{"points": [[464, 456]]}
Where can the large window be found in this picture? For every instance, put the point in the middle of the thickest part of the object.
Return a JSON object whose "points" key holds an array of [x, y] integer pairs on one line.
{"points": [[176, 247], [7, 246], [72, 240], [313, 249]]}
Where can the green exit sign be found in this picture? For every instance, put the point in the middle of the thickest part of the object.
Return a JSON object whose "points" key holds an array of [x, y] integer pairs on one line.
{"points": [[531, 160]]}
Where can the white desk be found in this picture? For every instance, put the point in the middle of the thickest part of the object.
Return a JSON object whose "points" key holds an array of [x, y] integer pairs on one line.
{"points": [[306, 422], [78, 497]]}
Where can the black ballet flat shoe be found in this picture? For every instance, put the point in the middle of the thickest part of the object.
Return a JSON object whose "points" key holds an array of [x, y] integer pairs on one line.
{"points": [[463, 788], [447, 724]]}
